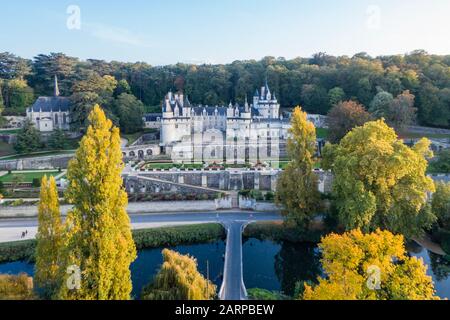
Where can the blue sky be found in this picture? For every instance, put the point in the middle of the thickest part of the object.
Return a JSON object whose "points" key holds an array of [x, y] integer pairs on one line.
{"points": [[220, 31]]}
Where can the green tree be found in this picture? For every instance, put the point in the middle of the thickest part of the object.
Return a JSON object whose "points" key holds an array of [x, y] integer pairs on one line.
{"points": [[46, 67], [58, 140], [49, 239], [379, 182], [89, 92], [343, 117], [99, 239], [441, 204], [122, 87], [13, 67], [17, 96], [297, 189], [370, 267], [442, 162], [335, 96], [179, 279], [130, 112], [381, 104], [28, 138]]}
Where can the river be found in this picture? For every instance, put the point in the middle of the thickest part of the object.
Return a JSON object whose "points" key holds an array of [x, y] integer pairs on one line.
{"points": [[267, 265]]}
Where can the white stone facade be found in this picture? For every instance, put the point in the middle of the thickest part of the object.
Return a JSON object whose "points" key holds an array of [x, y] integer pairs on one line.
{"points": [[187, 129]]}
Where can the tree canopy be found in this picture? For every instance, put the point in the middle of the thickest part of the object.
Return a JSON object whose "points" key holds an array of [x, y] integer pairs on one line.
{"points": [[179, 279], [99, 240], [49, 238], [343, 117], [379, 182], [371, 266], [297, 189], [316, 83]]}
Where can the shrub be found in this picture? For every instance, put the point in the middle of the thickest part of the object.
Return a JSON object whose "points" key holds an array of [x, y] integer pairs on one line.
{"points": [[173, 236], [276, 231], [36, 182], [17, 251], [16, 287], [263, 294], [146, 238], [269, 196]]}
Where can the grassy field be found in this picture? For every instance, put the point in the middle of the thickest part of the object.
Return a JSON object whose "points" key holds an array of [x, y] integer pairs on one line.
{"points": [[9, 131], [415, 135], [27, 176]]}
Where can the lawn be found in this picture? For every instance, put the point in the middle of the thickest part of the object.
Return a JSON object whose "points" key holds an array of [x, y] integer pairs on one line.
{"points": [[28, 177], [416, 135], [10, 131]]}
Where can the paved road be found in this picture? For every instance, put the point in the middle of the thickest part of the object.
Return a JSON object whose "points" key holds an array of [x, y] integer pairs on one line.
{"points": [[11, 229]]}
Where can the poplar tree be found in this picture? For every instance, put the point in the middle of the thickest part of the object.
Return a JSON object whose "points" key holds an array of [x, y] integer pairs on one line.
{"points": [[99, 240], [179, 279], [297, 189], [49, 238]]}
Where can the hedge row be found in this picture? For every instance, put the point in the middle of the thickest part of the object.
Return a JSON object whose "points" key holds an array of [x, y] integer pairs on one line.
{"points": [[173, 236], [146, 238], [276, 231]]}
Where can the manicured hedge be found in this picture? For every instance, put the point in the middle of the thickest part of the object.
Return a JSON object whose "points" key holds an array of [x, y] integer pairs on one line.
{"points": [[17, 251], [146, 238], [173, 236], [276, 231]]}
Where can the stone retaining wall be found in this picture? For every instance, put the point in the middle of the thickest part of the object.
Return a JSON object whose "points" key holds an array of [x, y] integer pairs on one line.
{"points": [[38, 163]]}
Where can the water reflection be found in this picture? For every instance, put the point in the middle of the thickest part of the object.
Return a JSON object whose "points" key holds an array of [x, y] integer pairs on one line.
{"points": [[149, 261], [279, 266]]}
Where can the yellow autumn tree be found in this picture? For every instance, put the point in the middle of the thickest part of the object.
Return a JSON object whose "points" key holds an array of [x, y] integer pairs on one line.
{"points": [[49, 238], [371, 266], [99, 239], [297, 189], [379, 182], [179, 279]]}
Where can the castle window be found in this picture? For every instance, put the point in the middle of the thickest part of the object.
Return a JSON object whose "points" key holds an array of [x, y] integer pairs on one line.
{"points": [[56, 119], [64, 118]]}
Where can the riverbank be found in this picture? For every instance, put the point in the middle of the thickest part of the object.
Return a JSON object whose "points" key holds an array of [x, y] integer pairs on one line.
{"points": [[144, 239]]}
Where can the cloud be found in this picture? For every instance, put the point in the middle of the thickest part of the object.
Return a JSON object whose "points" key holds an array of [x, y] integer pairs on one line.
{"points": [[116, 35]]}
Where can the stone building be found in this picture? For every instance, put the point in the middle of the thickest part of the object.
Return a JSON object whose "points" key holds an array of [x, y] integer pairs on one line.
{"points": [[50, 113], [215, 133]]}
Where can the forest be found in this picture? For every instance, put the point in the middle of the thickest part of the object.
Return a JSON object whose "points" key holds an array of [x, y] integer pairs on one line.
{"points": [[316, 83]]}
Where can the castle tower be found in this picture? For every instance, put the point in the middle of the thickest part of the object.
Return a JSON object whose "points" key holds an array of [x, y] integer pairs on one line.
{"points": [[167, 121]]}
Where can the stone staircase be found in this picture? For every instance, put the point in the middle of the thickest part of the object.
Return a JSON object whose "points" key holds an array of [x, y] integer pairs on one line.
{"points": [[234, 200]]}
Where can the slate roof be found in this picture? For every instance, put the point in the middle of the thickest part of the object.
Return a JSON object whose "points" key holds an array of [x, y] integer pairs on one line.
{"points": [[51, 104], [152, 116]]}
